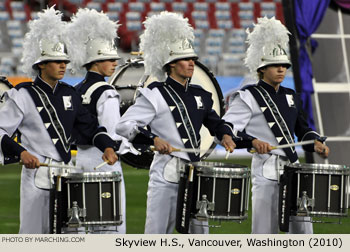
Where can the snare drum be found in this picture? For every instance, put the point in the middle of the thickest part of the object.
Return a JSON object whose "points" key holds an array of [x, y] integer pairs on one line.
{"points": [[86, 199], [130, 76], [219, 192], [315, 190]]}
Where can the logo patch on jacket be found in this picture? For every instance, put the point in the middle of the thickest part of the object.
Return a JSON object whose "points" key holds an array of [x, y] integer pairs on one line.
{"points": [[290, 100], [199, 102], [67, 102]]}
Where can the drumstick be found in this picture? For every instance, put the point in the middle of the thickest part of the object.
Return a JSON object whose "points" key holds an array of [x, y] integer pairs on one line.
{"points": [[227, 153], [100, 165], [136, 53], [57, 166], [182, 150], [288, 145]]}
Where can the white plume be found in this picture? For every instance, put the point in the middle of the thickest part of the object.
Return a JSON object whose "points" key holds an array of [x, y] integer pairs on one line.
{"points": [[87, 24], [266, 32], [161, 30], [50, 26]]}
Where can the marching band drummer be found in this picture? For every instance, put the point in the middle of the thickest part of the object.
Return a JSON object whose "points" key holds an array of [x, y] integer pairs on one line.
{"points": [[90, 45], [175, 111], [273, 114], [45, 112]]}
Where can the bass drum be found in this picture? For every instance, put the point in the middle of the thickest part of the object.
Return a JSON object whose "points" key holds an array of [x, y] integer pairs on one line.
{"points": [[130, 76], [4, 86]]}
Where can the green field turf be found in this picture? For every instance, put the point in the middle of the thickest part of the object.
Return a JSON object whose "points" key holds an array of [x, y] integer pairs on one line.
{"points": [[136, 188]]}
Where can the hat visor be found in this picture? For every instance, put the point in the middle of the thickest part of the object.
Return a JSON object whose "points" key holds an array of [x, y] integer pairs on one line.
{"points": [[51, 58], [102, 58], [274, 62], [180, 57]]}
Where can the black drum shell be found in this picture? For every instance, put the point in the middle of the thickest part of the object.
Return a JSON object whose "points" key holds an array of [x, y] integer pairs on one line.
{"points": [[325, 186], [326, 183], [98, 187], [231, 183], [207, 174]]}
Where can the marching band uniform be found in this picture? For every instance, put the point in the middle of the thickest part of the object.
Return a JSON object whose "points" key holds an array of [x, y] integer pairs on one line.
{"points": [[45, 118], [46, 138], [155, 108], [99, 97], [247, 115], [272, 116], [104, 105], [175, 113]]}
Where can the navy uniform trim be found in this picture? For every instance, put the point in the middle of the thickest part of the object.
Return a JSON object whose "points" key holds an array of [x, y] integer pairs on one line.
{"points": [[182, 119], [11, 150], [51, 121], [182, 111]]}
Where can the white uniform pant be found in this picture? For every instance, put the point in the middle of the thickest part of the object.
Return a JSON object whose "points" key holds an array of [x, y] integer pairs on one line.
{"points": [[265, 194], [34, 206], [161, 212]]}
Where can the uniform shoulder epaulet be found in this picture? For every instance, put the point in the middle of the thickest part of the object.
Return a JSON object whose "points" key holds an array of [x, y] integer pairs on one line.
{"points": [[23, 84], [155, 84]]}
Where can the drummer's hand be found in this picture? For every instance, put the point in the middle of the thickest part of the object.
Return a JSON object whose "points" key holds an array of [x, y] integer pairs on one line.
{"points": [[29, 161], [162, 146], [321, 149], [228, 143], [261, 147], [110, 156]]}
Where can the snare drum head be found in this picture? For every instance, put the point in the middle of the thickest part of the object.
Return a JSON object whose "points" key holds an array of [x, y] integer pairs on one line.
{"points": [[129, 77]]}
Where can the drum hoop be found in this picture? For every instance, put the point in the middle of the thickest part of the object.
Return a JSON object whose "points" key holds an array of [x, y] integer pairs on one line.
{"points": [[107, 223], [324, 172], [329, 214], [243, 175], [225, 217], [223, 170], [320, 168], [218, 165], [93, 177]]}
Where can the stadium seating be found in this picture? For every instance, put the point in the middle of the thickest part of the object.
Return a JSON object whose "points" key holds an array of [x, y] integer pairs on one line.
{"points": [[118, 7], [179, 7], [94, 5], [219, 24]]}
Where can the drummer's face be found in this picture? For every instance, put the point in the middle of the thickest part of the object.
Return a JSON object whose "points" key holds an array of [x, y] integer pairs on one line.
{"points": [[274, 74], [182, 69], [53, 70], [105, 68]]}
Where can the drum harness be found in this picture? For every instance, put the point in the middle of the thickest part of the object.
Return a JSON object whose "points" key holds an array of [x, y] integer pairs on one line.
{"points": [[86, 98]]}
